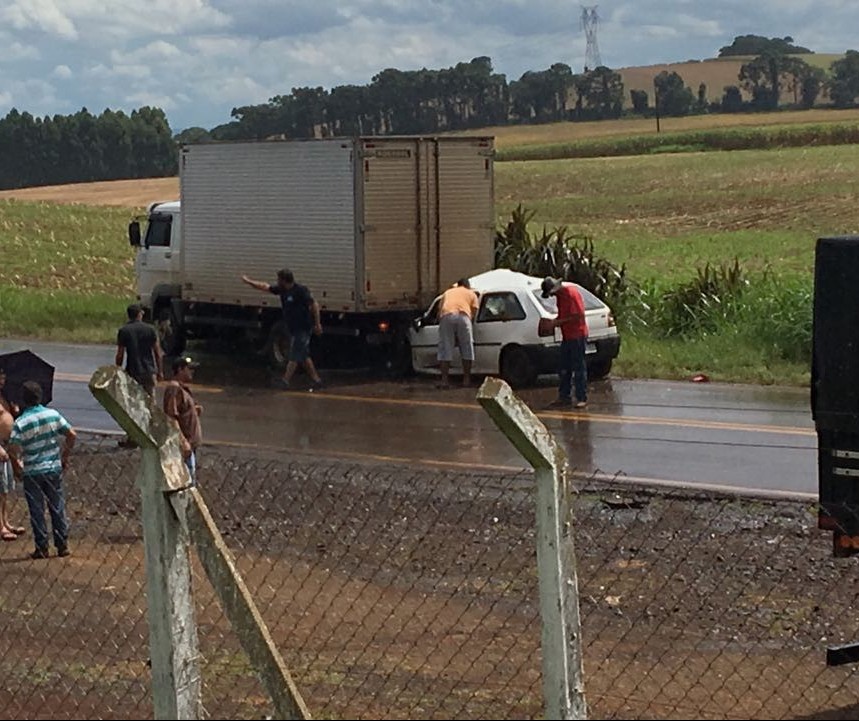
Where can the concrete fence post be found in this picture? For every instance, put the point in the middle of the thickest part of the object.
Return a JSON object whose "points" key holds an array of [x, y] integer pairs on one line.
{"points": [[563, 669], [174, 653], [175, 515]]}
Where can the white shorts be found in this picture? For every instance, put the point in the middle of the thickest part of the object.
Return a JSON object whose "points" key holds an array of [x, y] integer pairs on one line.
{"points": [[454, 329]]}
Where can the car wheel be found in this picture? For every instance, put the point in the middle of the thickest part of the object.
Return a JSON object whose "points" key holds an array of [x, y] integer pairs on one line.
{"points": [[171, 335], [517, 368], [599, 369]]}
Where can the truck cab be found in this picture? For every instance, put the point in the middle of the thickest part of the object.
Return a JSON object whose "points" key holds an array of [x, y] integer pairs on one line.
{"points": [[157, 265]]}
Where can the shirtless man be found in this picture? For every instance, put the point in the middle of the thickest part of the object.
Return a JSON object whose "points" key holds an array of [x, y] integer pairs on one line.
{"points": [[8, 532]]}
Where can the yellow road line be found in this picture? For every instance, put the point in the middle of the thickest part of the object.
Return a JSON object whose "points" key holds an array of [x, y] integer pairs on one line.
{"points": [[555, 415], [80, 378], [583, 416]]}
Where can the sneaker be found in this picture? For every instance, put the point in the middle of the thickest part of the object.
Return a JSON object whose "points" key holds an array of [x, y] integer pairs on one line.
{"points": [[63, 551], [316, 386], [561, 403], [280, 384], [582, 404], [39, 553]]}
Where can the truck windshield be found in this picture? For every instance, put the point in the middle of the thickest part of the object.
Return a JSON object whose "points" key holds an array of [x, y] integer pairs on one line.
{"points": [[158, 231]]}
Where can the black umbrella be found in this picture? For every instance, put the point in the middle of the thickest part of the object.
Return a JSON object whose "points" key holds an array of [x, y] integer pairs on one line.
{"points": [[22, 366]]}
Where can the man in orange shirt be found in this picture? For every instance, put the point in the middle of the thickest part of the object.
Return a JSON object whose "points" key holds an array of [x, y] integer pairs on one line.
{"points": [[455, 315], [574, 338]]}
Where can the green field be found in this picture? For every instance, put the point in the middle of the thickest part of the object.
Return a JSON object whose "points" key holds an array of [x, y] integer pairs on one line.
{"points": [[66, 271], [666, 215]]}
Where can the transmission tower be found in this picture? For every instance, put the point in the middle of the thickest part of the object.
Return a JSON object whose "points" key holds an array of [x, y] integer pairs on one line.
{"points": [[590, 23]]}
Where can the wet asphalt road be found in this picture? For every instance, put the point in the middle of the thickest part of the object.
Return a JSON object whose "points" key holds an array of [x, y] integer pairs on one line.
{"points": [[710, 435]]}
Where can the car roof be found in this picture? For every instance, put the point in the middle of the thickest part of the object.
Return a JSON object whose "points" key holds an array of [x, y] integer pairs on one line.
{"points": [[503, 279]]}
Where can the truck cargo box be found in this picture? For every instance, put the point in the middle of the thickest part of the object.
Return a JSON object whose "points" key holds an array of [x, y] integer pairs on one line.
{"points": [[368, 224]]}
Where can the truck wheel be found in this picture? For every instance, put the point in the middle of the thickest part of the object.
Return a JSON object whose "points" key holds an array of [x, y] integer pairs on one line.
{"points": [[517, 368], [398, 362], [599, 369], [279, 343], [171, 335]]}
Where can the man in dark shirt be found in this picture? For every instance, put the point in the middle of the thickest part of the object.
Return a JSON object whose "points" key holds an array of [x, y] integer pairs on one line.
{"points": [[138, 344], [301, 317]]}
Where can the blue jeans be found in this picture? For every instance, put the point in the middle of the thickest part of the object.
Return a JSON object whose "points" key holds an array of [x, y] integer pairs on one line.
{"points": [[573, 363], [48, 487]]}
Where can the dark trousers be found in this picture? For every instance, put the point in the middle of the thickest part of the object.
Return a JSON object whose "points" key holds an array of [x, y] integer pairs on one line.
{"points": [[573, 363], [38, 489]]}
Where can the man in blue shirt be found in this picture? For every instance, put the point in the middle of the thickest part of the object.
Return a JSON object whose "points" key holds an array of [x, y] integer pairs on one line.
{"points": [[39, 459], [301, 317]]}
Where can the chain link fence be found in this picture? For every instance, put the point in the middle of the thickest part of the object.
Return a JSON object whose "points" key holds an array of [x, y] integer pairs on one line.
{"points": [[400, 592]]}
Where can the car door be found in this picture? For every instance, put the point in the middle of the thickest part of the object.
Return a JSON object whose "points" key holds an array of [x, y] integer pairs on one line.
{"points": [[498, 323], [424, 340]]}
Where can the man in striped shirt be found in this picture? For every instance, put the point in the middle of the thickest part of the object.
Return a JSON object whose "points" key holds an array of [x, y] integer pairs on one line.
{"points": [[37, 456]]}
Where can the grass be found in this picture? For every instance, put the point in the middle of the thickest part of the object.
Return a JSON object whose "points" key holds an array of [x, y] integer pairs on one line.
{"points": [[66, 271], [60, 315], [723, 357], [665, 215]]}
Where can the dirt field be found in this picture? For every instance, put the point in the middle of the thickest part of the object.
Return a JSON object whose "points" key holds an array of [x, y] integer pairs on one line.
{"points": [[123, 193], [397, 593]]}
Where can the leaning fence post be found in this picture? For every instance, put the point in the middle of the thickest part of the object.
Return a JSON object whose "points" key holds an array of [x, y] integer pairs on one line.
{"points": [[172, 628], [563, 670]]}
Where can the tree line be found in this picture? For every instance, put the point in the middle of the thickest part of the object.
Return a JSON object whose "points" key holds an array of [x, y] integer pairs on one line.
{"points": [[83, 147], [472, 95]]}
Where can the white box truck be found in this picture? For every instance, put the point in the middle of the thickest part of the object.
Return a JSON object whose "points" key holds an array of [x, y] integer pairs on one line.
{"points": [[375, 227]]}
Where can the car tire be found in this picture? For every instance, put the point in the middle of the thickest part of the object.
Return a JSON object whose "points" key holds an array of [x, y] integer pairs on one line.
{"points": [[599, 369], [171, 334], [517, 367]]}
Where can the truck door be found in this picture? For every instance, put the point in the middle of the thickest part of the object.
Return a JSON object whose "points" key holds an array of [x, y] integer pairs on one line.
{"points": [[157, 261], [392, 224], [465, 222]]}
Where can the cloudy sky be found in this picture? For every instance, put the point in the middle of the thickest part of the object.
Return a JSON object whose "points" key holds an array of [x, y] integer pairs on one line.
{"points": [[197, 59]]}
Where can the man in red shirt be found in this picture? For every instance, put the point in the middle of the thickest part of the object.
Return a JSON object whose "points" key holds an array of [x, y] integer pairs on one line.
{"points": [[574, 338]]}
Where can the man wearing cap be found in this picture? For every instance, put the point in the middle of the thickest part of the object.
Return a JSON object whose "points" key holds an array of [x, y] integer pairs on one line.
{"points": [[574, 337], [138, 344], [180, 405]]}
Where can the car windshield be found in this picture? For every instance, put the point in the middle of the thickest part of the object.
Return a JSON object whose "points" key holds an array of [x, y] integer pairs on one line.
{"points": [[551, 304]]}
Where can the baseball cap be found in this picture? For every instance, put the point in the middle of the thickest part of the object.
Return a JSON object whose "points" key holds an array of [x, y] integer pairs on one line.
{"points": [[184, 362], [549, 286]]}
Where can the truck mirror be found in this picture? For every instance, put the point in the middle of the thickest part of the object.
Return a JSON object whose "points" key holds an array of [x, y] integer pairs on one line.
{"points": [[134, 233]]}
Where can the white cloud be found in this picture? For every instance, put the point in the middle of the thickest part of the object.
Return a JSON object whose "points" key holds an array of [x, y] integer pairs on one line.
{"points": [[43, 15], [15, 51], [203, 57]]}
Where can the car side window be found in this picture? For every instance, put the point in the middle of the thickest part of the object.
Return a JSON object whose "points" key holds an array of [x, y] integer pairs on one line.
{"points": [[496, 307]]}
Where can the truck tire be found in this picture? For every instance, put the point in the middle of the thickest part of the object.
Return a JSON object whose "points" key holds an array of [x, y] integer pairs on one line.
{"points": [[279, 343], [398, 363], [517, 368], [170, 332]]}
